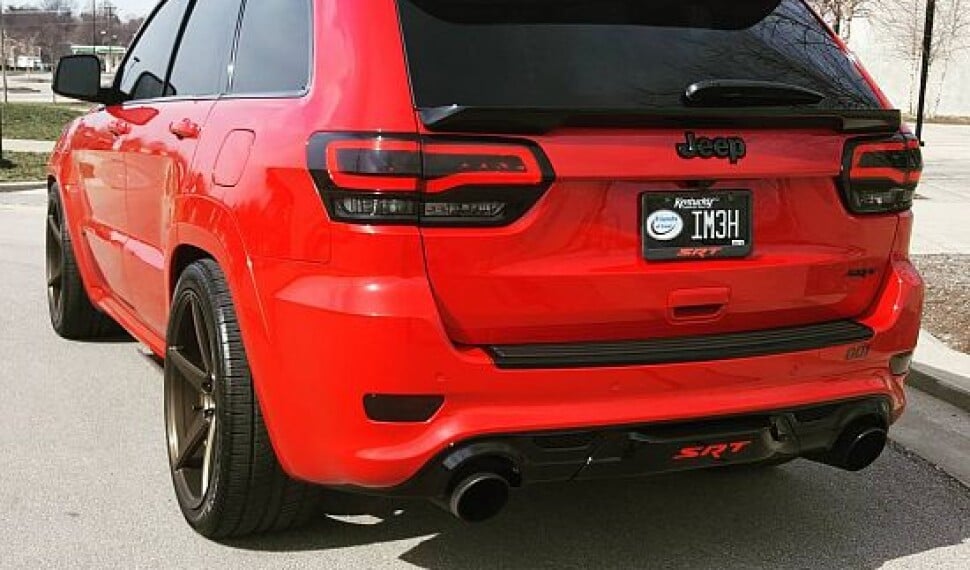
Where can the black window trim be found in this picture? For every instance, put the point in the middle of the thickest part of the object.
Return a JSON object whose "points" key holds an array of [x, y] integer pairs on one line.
{"points": [[116, 84], [171, 58]]}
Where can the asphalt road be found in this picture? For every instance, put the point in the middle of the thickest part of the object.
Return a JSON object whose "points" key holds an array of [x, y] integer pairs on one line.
{"points": [[84, 483]]}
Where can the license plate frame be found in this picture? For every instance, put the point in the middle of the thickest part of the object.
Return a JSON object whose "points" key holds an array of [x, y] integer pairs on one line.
{"points": [[664, 238]]}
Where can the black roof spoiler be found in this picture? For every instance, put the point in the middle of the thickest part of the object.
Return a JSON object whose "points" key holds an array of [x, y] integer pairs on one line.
{"points": [[536, 121]]}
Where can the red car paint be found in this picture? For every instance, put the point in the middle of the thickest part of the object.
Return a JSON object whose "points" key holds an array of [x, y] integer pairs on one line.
{"points": [[331, 312]]}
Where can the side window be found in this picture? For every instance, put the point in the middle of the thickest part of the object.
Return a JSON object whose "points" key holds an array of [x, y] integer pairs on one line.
{"points": [[202, 63], [143, 76], [274, 48]]}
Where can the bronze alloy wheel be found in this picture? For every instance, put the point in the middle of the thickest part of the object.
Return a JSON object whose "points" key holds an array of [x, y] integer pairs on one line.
{"points": [[190, 398], [55, 257]]}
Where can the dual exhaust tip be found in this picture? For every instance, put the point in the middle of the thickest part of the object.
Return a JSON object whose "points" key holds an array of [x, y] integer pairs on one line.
{"points": [[482, 495]]}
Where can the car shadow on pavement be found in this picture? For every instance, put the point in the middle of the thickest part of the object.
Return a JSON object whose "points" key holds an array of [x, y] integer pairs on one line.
{"points": [[802, 515], [113, 338]]}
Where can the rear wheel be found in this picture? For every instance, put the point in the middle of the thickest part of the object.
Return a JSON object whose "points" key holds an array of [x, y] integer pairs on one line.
{"points": [[72, 314], [227, 479]]}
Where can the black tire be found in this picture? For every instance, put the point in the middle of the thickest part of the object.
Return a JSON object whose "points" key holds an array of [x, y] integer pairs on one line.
{"points": [[72, 314], [231, 484]]}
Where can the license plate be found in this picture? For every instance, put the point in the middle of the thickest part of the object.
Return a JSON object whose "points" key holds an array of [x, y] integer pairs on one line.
{"points": [[696, 225]]}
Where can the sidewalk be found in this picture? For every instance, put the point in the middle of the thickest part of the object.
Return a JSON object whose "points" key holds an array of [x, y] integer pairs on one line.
{"points": [[19, 145], [945, 192], [941, 228]]}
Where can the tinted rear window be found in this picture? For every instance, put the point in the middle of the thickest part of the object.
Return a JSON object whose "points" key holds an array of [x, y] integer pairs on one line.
{"points": [[617, 54], [273, 56]]}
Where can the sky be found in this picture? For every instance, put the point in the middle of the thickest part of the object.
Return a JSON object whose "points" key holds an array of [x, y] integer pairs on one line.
{"points": [[130, 8]]}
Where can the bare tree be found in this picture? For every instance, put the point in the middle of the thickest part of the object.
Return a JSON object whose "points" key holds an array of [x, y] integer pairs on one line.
{"points": [[45, 28], [56, 27], [840, 13], [901, 22], [58, 5], [51, 26], [116, 31], [128, 29]]}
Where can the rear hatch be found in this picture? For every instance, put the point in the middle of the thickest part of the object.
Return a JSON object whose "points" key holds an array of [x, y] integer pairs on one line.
{"points": [[660, 214]]}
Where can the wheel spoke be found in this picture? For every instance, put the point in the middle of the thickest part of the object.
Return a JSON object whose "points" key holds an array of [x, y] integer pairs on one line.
{"points": [[202, 336], [54, 226], [190, 443], [189, 372], [54, 278], [207, 457]]}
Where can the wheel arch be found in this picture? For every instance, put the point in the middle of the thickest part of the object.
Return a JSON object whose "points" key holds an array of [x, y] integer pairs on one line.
{"points": [[182, 256], [204, 228]]}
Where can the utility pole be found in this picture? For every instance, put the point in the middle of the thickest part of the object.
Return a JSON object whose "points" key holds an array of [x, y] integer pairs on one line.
{"points": [[925, 69], [94, 27], [3, 49], [3, 63], [109, 12], [108, 16]]}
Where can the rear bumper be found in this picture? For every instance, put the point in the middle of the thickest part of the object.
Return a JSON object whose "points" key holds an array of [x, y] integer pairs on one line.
{"points": [[382, 335], [626, 451]]}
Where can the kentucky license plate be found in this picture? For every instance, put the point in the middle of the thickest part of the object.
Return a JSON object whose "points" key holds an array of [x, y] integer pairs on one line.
{"points": [[696, 225]]}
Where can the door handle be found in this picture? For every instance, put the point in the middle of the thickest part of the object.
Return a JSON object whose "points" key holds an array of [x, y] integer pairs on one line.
{"points": [[119, 128], [185, 129]]}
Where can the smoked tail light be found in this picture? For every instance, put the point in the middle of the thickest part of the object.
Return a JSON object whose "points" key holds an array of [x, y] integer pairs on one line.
{"points": [[880, 175], [428, 181]]}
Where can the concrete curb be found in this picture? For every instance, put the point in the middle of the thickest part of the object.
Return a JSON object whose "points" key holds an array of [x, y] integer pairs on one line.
{"points": [[949, 387], [941, 372], [22, 186]]}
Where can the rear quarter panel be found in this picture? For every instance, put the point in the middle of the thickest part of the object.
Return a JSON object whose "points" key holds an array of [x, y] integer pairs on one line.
{"points": [[274, 212]]}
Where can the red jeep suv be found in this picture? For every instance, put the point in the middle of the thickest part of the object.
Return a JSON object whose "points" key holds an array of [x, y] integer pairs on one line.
{"points": [[443, 249]]}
